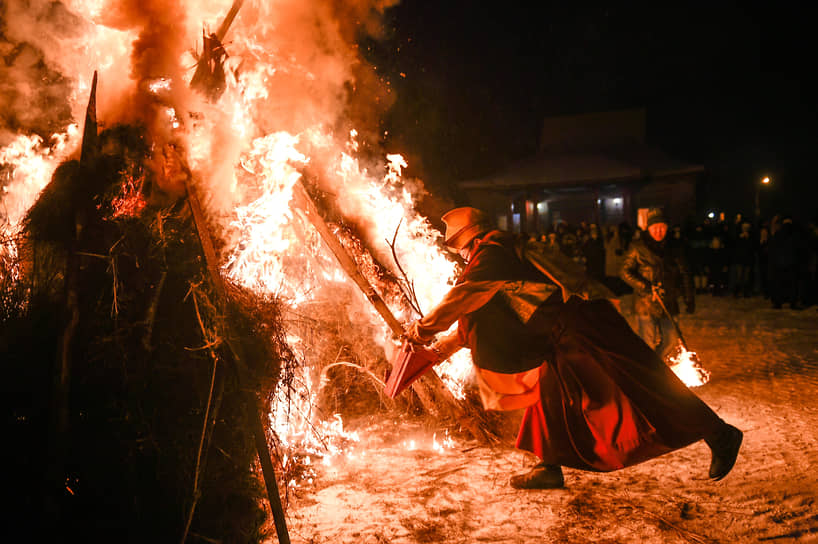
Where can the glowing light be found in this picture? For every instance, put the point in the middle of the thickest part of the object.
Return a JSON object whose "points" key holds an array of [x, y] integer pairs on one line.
{"points": [[159, 85], [247, 175], [687, 368]]}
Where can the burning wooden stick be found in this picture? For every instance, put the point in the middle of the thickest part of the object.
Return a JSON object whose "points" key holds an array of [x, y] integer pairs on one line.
{"points": [[209, 74], [430, 389], [687, 365]]}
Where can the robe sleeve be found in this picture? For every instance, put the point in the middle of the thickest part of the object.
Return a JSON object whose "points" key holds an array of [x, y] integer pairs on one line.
{"points": [[463, 298]]}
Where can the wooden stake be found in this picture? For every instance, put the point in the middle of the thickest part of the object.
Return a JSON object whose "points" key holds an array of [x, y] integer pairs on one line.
{"points": [[259, 434], [60, 413]]}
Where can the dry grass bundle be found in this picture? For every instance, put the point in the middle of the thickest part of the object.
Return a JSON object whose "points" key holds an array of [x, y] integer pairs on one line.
{"points": [[157, 413]]}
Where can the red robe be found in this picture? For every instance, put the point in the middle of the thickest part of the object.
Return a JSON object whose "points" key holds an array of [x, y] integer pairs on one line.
{"points": [[600, 398]]}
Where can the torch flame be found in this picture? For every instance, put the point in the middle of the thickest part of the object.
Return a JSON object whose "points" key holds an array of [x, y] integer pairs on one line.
{"points": [[687, 368]]}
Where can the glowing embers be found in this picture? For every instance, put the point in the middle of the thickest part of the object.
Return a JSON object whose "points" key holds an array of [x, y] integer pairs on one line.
{"points": [[687, 368], [129, 202], [159, 85], [446, 442]]}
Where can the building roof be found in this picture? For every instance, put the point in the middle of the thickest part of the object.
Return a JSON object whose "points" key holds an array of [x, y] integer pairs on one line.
{"points": [[633, 162]]}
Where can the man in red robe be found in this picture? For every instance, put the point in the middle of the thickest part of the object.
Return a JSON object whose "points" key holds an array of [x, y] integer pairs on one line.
{"points": [[546, 338]]}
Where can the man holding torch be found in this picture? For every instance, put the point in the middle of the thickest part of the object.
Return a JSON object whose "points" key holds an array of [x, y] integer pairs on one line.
{"points": [[546, 338], [656, 267]]}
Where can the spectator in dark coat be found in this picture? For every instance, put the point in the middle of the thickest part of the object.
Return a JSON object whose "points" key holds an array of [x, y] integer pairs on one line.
{"points": [[784, 254], [718, 267], [763, 252], [699, 243], [594, 252], [743, 259]]}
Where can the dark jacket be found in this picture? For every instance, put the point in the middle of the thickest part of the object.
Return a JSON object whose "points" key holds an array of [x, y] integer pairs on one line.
{"points": [[648, 263], [594, 252], [744, 251]]}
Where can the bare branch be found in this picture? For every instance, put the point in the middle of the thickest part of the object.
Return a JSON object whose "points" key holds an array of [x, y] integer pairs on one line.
{"points": [[406, 286]]}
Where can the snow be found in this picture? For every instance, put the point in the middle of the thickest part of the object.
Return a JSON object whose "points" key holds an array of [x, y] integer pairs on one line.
{"points": [[764, 366]]}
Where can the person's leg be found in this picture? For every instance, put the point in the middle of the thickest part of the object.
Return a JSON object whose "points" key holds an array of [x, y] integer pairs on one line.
{"points": [[596, 347], [668, 339], [541, 476], [646, 328], [724, 446], [747, 280], [776, 294]]}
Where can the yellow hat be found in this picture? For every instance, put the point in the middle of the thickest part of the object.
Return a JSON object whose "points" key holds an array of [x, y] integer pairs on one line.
{"points": [[462, 225]]}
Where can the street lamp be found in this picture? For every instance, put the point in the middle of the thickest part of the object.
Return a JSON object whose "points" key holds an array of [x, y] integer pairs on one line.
{"points": [[764, 181]]}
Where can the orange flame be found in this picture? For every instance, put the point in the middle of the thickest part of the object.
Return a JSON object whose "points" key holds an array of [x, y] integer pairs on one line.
{"points": [[687, 368], [286, 75]]}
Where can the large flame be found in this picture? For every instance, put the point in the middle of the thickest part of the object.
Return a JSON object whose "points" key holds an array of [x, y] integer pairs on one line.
{"points": [[284, 109]]}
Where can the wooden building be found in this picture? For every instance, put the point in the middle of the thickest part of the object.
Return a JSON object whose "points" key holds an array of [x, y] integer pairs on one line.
{"points": [[596, 168]]}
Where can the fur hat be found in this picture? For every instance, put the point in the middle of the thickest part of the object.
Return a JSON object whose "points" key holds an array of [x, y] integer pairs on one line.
{"points": [[655, 215], [462, 225]]}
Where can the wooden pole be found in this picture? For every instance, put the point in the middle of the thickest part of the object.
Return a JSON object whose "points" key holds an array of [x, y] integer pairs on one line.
{"points": [[61, 383], [304, 202], [259, 434], [430, 389], [228, 19]]}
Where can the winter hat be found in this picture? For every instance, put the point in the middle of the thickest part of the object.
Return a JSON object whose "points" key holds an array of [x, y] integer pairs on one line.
{"points": [[462, 225], [655, 215]]}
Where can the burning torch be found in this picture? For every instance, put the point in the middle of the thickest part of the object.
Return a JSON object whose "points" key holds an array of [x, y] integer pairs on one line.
{"points": [[686, 365]]}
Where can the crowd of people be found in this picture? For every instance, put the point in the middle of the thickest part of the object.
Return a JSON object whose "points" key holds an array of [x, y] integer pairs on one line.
{"points": [[776, 259]]}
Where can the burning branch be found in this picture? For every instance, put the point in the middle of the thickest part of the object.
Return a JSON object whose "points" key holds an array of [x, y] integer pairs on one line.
{"points": [[407, 287], [430, 389], [305, 203], [209, 74], [686, 365]]}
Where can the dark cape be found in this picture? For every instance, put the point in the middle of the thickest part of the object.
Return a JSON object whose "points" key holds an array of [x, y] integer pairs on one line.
{"points": [[606, 400]]}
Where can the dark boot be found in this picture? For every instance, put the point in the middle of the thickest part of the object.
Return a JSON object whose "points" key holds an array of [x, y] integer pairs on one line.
{"points": [[542, 476], [724, 446]]}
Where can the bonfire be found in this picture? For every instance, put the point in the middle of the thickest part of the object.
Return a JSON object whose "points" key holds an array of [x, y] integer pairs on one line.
{"points": [[209, 262]]}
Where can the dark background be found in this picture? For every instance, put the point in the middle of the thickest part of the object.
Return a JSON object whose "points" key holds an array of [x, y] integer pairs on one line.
{"points": [[728, 87]]}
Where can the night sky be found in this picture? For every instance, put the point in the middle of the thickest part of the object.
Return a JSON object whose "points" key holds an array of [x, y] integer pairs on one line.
{"points": [[727, 87]]}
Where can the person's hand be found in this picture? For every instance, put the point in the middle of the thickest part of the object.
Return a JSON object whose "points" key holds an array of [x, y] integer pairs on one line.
{"points": [[657, 290], [414, 333]]}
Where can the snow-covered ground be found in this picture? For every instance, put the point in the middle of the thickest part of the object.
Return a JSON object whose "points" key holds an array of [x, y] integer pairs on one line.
{"points": [[764, 366]]}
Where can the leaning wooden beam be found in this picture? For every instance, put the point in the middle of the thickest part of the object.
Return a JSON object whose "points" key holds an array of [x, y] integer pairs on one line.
{"points": [[259, 434], [430, 389], [228, 19], [60, 399], [304, 202]]}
